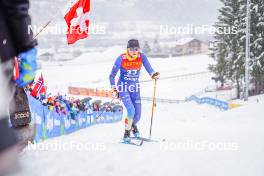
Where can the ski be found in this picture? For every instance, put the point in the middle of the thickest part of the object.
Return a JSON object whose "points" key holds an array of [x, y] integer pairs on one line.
{"points": [[134, 142], [144, 139]]}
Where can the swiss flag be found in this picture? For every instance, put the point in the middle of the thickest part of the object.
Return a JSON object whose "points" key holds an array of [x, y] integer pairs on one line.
{"points": [[38, 87], [77, 21]]}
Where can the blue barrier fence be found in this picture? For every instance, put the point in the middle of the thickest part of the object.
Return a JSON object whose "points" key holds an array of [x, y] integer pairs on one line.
{"points": [[211, 101], [52, 124]]}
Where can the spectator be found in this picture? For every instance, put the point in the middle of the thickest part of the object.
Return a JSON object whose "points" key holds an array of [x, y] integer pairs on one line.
{"points": [[16, 40]]}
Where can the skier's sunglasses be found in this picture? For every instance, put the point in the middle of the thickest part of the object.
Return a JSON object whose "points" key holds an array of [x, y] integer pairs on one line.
{"points": [[134, 49]]}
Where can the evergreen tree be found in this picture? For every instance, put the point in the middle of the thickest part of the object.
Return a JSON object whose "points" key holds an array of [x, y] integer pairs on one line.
{"points": [[156, 46], [257, 45], [230, 48], [218, 52], [146, 48], [256, 41], [227, 49]]}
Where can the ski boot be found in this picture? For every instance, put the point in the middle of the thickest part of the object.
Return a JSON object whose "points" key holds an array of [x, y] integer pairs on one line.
{"points": [[126, 137], [135, 131]]}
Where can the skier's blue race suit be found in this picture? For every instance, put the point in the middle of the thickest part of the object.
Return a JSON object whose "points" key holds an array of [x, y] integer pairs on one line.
{"points": [[128, 84]]}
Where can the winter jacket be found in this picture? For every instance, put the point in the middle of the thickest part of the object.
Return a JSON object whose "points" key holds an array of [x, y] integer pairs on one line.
{"points": [[15, 36]]}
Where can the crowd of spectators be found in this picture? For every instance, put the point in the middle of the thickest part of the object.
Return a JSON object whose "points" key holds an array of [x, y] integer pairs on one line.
{"points": [[63, 104]]}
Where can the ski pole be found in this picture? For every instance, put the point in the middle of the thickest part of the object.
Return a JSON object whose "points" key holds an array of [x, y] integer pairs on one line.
{"points": [[153, 107]]}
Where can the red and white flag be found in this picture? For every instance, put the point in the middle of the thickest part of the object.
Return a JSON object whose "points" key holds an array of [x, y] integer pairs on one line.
{"points": [[38, 87], [16, 69], [77, 20]]}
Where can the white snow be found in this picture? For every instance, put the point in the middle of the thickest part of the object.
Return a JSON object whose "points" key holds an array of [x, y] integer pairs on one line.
{"points": [[193, 139]]}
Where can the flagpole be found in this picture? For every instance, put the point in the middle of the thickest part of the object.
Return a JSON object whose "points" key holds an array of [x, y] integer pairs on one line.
{"points": [[46, 25], [53, 18]]}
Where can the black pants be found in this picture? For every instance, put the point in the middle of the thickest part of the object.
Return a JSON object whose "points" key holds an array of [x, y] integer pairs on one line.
{"points": [[7, 135]]}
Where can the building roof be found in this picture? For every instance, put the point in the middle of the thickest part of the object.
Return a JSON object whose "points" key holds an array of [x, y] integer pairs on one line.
{"points": [[182, 41]]}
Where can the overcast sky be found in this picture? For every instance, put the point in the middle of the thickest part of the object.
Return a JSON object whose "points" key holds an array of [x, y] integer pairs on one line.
{"points": [[159, 11], [163, 11], [117, 15]]}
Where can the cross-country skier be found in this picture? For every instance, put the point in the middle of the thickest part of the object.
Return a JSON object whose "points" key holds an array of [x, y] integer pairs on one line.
{"points": [[127, 87], [15, 40]]}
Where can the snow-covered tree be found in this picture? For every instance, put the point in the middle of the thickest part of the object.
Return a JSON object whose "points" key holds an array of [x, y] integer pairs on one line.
{"points": [[218, 52], [230, 48], [227, 49], [257, 45], [156, 46], [146, 48], [256, 40]]}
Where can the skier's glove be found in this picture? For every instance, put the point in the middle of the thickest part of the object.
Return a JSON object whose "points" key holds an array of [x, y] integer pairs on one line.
{"points": [[27, 67], [155, 75], [115, 93]]}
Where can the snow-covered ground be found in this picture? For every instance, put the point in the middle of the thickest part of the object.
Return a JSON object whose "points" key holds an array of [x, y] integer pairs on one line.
{"points": [[192, 139]]}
